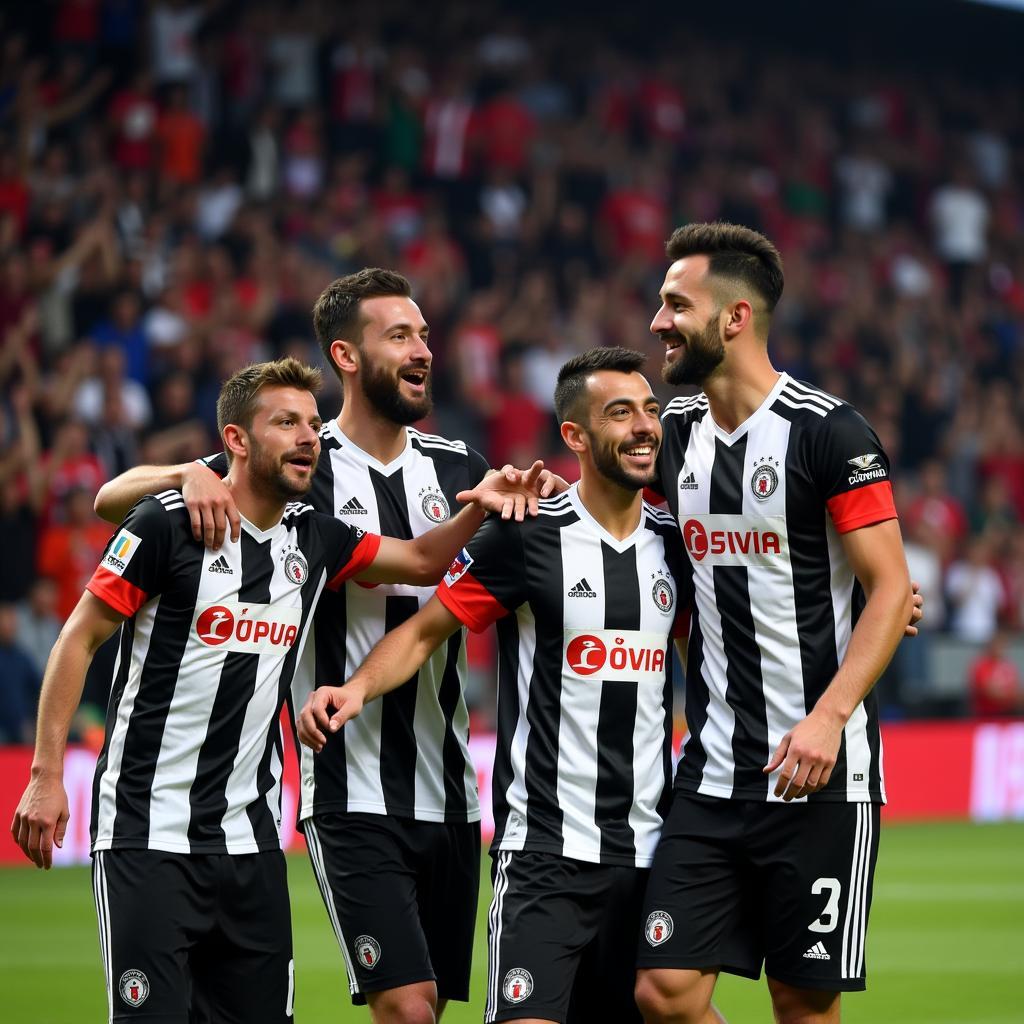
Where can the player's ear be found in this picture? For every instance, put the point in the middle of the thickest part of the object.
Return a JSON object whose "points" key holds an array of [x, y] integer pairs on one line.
{"points": [[236, 440], [345, 355], [738, 315], [573, 435]]}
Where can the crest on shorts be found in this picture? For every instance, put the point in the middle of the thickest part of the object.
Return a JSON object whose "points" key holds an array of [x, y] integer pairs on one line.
{"points": [[367, 951], [764, 479], [434, 506], [658, 928], [134, 987], [518, 985]]}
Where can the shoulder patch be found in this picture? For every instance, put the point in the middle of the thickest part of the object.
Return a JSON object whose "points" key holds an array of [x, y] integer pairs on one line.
{"points": [[121, 551]]}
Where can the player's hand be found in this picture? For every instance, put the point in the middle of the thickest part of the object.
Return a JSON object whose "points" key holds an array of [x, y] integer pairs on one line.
{"points": [[211, 506], [807, 755], [41, 819], [326, 710], [509, 491], [916, 611]]}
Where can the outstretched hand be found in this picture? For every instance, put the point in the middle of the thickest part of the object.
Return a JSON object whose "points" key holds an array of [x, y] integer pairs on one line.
{"points": [[512, 492]]}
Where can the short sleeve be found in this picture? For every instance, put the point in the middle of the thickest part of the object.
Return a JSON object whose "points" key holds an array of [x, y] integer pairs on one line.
{"points": [[218, 463], [134, 564], [350, 550], [487, 579], [478, 466], [852, 471], [682, 573]]}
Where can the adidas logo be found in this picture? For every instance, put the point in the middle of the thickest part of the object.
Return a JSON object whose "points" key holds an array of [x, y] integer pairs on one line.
{"points": [[221, 565], [582, 589], [688, 483], [817, 952], [352, 507]]}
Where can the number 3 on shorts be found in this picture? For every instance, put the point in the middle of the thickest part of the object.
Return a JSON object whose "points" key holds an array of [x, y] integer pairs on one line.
{"points": [[830, 915]]}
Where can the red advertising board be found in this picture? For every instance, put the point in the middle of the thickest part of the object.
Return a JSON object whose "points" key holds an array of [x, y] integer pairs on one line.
{"points": [[933, 771]]}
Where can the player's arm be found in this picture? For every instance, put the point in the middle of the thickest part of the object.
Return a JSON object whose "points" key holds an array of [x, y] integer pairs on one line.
{"points": [[394, 660], [42, 814], [423, 560], [808, 752], [210, 504]]}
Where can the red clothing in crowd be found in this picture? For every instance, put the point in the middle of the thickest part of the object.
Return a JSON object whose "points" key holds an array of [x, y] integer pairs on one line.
{"points": [[995, 686], [69, 555]]}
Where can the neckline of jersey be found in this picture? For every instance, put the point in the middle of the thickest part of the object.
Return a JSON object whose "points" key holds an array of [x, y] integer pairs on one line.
{"points": [[618, 545], [769, 401], [385, 468], [254, 531]]}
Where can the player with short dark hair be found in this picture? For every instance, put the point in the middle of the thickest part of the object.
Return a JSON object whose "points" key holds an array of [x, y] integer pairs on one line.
{"points": [[782, 495], [585, 597], [188, 874]]}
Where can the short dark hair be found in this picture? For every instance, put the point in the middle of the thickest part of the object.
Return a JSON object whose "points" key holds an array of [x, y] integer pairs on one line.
{"points": [[237, 400], [336, 312], [735, 252], [572, 377]]}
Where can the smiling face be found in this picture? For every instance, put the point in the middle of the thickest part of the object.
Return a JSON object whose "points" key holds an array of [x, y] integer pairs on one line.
{"points": [[689, 323], [394, 360], [623, 428], [284, 442]]}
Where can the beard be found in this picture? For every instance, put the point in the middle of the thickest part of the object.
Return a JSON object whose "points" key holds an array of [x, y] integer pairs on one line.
{"points": [[609, 465], [269, 476], [383, 391], [701, 357]]}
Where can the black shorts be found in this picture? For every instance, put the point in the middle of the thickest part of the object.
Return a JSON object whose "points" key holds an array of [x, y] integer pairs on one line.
{"points": [[561, 938], [737, 883], [401, 896], [195, 937]]}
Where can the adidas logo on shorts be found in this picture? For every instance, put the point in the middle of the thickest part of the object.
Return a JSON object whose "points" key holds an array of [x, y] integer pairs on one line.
{"points": [[582, 589], [817, 952], [221, 565]]}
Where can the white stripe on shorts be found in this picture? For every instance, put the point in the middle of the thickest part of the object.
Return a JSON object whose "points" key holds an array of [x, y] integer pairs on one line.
{"points": [[855, 924], [102, 901], [494, 933]]}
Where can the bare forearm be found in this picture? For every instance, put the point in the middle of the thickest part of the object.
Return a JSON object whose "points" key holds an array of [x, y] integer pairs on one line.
{"points": [[116, 497], [394, 660], [436, 548]]}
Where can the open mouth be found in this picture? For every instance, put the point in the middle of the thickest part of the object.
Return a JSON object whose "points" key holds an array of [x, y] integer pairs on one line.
{"points": [[303, 463], [416, 379], [642, 454], [673, 342]]}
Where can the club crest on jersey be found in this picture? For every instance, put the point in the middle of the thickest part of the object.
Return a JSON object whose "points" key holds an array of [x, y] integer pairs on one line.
{"points": [[663, 596], [295, 568], [518, 985], [764, 480], [121, 551], [865, 467], [367, 951], [458, 568], [134, 987], [659, 928], [434, 506]]}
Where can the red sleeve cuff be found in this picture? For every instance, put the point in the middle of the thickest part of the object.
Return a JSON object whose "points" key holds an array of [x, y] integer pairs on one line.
{"points": [[863, 507], [471, 603], [117, 592], [362, 556]]}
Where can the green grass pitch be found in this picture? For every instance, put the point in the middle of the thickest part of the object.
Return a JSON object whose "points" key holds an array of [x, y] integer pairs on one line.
{"points": [[946, 944]]}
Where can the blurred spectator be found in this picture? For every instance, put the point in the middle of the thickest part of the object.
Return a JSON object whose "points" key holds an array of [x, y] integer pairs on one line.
{"points": [[181, 138], [109, 390], [516, 425], [960, 216], [995, 681], [19, 683], [976, 594], [39, 622], [18, 528], [173, 28], [69, 466]]}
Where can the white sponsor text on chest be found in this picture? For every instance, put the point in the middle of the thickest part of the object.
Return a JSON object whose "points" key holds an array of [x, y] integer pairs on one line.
{"points": [[615, 654], [734, 540], [249, 628]]}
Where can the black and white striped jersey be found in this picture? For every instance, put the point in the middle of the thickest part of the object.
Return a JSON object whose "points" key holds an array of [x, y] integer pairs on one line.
{"points": [[583, 764], [191, 762], [761, 511], [407, 754]]}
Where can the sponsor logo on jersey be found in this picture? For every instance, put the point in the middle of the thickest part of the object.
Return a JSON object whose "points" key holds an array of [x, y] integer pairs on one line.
{"points": [[221, 565], [688, 482], [458, 568], [817, 952], [249, 628], [663, 595], [134, 987], [735, 540], [121, 551], [764, 480], [659, 927], [581, 589], [367, 951], [434, 506], [518, 985], [611, 654], [865, 467], [352, 507], [295, 568]]}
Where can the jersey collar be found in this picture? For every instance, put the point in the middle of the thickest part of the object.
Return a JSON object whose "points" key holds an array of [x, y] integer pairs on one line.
{"points": [[613, 542], [754, 417], [384, 468]]}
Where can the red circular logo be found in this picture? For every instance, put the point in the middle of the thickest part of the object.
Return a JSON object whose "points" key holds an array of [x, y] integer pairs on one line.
{"points": [[215, 625], [586, 655], [695, 537]]}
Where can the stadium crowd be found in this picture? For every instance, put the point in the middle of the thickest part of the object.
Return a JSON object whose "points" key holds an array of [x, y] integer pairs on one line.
{"points": [[179, 181]]}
